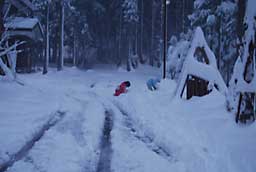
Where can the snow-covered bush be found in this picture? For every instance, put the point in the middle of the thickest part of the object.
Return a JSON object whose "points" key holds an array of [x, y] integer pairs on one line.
{"points": [[177, 52]]}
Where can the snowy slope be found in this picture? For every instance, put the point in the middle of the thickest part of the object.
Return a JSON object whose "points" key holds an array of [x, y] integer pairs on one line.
{"points": [[152, 131]]}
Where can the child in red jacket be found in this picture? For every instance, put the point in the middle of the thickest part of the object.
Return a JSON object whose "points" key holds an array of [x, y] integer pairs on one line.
{"points": [[122, 88]]}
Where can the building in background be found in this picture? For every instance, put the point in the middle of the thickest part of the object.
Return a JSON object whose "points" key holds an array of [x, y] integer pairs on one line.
{"points": [[21, 25]]}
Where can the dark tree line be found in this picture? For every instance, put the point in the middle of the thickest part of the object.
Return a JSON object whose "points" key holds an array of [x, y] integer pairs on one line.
{"points": [[121, 32], [130, 32]]}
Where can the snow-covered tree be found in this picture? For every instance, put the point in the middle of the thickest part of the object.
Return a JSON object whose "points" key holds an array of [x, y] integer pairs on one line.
{"points": [[218, 20], [177, 53], [44, 5], [131, 18], [226, 13], [243, 81]]}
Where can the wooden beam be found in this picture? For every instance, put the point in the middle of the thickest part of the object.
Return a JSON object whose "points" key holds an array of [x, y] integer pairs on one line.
{"points": [[239, 107]]}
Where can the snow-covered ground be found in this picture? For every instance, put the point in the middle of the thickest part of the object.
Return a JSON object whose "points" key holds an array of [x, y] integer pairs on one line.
{"points": [[152, 131]]}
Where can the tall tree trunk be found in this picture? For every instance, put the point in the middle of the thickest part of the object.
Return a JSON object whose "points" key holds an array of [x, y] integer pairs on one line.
{"points": [[219, 43], [128, 63], [240, 25], [142, 31], [61, 50], [55, 53], [119, 63], [161, 39], [165, 39], [183, 16], [1, 19], [47, 49], [240, 19], [136, 39], [74, 49], [151, 62]]}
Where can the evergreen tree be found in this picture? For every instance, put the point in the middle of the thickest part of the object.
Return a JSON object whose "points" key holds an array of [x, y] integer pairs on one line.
{"points": [[131, 18], [218, 21]]}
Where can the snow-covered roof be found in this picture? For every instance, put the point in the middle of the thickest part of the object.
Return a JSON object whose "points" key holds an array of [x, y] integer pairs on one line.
{"points": [[208, 72], [29, 27], [21, 23]]}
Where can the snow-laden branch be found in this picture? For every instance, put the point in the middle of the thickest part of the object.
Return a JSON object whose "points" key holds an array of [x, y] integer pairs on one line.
{"points": [[11, 54], [13, 47]]}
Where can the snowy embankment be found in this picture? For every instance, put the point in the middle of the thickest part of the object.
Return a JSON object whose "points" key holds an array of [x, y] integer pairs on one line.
{"points": [[150, 131], [199, 133]]}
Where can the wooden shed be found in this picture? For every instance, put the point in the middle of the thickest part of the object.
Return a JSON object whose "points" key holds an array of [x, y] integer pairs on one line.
{"points": [[30, 31], [20, 25]]}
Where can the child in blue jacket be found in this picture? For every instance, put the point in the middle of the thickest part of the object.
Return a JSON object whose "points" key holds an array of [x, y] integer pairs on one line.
{"points": [[152, 83]]}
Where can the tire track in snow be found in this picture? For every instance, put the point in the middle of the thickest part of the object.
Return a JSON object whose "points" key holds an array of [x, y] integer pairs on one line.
{"points": [[104, 164], [59, 115], [146, 139]]}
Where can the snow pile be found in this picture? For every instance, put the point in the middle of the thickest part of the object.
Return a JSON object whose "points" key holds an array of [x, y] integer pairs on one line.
{"points": [[193, 67]]}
